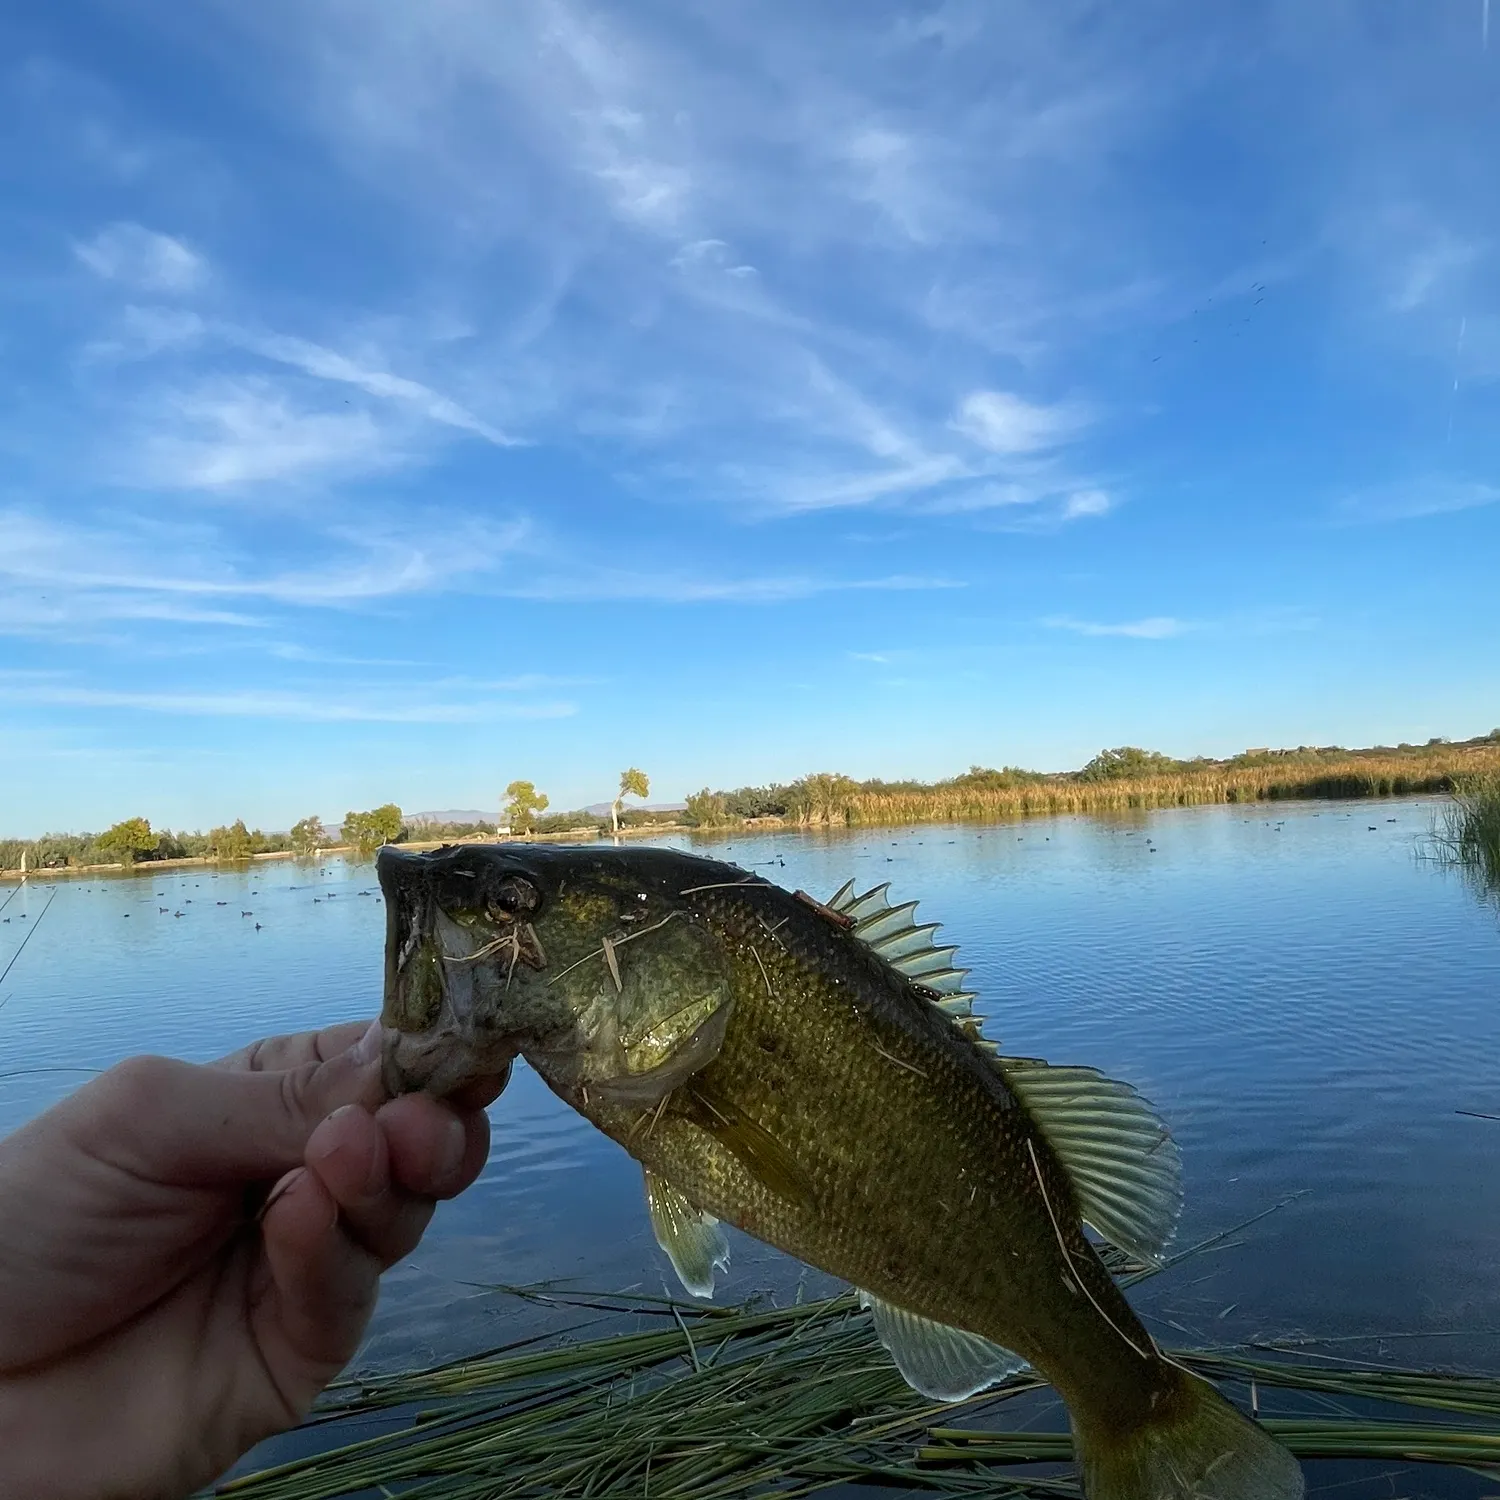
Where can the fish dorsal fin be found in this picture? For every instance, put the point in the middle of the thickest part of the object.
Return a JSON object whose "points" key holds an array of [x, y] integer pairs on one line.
{"points": [[891, 933], [692, 1239], [944, 1363], [1119, 1155]]}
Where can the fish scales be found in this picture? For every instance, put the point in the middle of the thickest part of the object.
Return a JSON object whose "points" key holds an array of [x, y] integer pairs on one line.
{"points": [[772, 1063], [897, 1221]]}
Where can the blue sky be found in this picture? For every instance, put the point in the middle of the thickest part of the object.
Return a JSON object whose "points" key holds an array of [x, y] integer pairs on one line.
{"points": [[404, 398]]}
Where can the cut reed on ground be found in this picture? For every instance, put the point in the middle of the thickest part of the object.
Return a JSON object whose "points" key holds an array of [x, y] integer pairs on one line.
{"points": [[711, 1403]]}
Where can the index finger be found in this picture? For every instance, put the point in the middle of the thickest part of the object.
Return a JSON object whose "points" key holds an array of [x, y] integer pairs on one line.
{"points": [[276, 1054]]}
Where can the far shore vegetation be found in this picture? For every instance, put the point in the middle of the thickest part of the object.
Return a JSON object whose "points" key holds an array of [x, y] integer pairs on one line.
{"points": [[1114, 780]]}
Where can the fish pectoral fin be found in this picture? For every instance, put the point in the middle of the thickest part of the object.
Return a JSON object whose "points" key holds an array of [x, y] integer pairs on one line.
{"points": [[1120, 1157], [757, 1150], [945, 1363], [649, 1087], [692, 1239]]}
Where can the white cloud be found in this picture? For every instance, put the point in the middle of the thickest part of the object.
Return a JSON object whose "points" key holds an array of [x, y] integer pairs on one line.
{"points": [[232, 433], [142, 258], [667, 588], [143, 561], [1153, 628], [1093, 502], [1007, 424], [1434, 495], [328, 364], [697, 192], [143, 332], [314, 708]]}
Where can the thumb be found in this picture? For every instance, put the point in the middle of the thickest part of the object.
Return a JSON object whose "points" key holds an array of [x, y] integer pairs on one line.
{"points": [[187, 1125]]}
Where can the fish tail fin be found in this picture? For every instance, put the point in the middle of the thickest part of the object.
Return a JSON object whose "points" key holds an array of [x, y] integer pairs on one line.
{"points": [[1201, 1448]]}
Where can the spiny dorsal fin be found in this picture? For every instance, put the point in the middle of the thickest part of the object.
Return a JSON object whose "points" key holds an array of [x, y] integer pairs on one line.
{"points": [[1120, 1157], [907, 947], [947, 1364], [692, 1239]]}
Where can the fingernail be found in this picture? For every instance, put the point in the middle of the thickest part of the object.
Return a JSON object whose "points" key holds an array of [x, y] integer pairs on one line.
{"points": [[367, 1048], [451, 1153]]}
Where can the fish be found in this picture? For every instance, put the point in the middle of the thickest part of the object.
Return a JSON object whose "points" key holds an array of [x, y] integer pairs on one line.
{"points": [[813, 1073]]}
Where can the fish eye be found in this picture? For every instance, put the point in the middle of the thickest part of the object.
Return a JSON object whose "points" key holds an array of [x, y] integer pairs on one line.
{"points": [[515, 896]]}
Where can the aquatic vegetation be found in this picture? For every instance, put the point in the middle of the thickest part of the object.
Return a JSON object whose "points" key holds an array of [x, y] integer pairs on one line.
{"points": [[1467, 833], [727, 1402]]}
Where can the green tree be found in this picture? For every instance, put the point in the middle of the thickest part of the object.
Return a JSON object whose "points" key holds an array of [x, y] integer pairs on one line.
{"points": [[708, 809], [128, 840], [823, 797], [369, 830], [1128, 761], [308, 834], [633, 783], [233, 842], [522, 804]]}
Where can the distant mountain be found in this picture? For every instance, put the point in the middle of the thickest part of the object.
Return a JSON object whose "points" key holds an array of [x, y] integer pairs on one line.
{"points": [[452, 815]]}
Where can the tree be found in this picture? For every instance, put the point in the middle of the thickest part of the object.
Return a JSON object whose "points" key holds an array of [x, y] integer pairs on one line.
{"points": [[129, 839], [308, 834], [633, 783], [522, 803], [1126, 762], [368, 830], [232, 842]]}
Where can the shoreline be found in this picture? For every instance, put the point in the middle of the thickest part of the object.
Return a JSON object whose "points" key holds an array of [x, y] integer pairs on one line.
{"points": [[200, 861]]}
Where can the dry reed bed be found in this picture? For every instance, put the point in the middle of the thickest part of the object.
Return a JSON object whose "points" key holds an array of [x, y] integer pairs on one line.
{"points": [[1359, 776]]}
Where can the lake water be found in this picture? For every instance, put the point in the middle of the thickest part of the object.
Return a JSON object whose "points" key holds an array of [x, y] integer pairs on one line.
{"points": [[1309, 1005]]}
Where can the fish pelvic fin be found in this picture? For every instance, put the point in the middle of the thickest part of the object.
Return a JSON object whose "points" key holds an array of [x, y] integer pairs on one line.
{"points": [[944, 1363], [1201, 1448], [692, 1239]]}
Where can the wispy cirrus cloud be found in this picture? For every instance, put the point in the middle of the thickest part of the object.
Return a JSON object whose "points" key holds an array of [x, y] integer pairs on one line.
{"points": [[605, 585], [142, 259], [306, 707], [1151, 628], [1005, 423], [72, 574], [1407, 500], [330, 365]]}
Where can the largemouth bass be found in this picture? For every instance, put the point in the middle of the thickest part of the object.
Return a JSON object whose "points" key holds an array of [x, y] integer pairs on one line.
{"points": [[812, 1073]]}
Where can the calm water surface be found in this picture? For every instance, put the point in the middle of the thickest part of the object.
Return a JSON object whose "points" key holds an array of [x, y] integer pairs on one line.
{"points": [[1307, 1003]]}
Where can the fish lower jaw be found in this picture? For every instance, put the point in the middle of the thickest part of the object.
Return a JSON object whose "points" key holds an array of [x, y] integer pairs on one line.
{"points": [[432, 1063]]}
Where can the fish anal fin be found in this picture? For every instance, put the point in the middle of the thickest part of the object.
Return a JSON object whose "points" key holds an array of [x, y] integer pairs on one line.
{"points": [[1120, 1158], [945, 1363], [692, 1239]]}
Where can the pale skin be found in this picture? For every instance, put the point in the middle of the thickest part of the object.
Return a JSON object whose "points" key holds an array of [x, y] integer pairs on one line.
{"points": [[190, 1253]]}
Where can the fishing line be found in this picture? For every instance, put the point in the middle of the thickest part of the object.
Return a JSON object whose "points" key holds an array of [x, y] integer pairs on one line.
{"points": [[19, 951], [21, 887]]}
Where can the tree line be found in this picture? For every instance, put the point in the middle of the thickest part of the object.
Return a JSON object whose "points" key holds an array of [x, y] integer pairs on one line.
{"points": [[133, 841], [820, 797]]}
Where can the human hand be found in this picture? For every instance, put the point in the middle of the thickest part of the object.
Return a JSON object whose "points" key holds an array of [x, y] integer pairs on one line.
{"points": [[152, 1328]]}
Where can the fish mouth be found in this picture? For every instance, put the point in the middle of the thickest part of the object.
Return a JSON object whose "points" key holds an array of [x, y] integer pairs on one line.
{"points": [[434, 1037]]}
